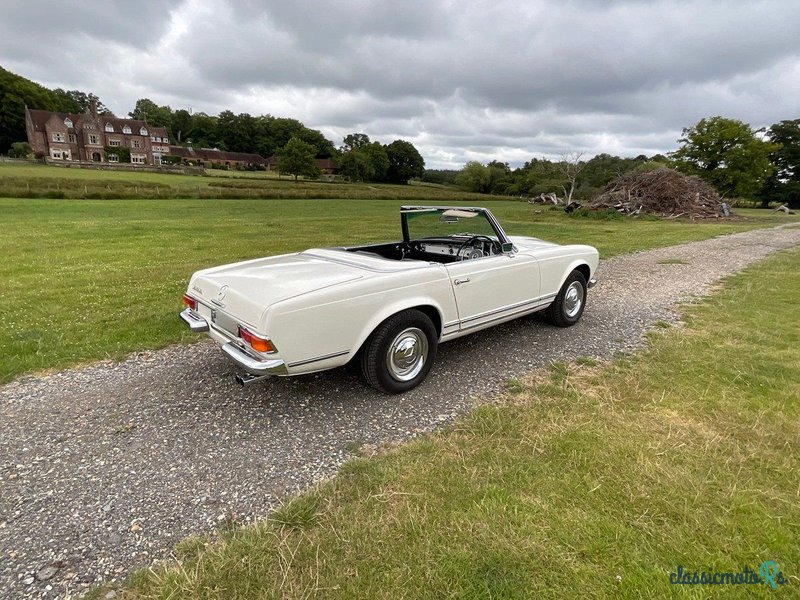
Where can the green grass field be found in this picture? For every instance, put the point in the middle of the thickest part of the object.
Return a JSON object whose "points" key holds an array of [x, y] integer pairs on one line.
{"points": [[31, 180], [92, 279], [585, 482]]}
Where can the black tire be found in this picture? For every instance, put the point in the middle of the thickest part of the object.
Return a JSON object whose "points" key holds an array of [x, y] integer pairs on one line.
{"points": [[562, 312], [405, 328]]}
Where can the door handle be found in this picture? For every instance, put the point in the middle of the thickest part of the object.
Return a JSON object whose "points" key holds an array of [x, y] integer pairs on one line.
{"points": [[460, 281]]}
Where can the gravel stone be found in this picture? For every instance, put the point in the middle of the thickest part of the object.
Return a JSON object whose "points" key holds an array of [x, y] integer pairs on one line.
{"points": [[104, 468]]}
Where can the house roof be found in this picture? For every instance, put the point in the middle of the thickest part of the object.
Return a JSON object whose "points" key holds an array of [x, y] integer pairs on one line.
{"points": [[214, 154], [39, 118]]}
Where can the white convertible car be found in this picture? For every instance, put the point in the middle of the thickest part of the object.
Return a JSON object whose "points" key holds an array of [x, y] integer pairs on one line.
{"points": [[387, 306]]}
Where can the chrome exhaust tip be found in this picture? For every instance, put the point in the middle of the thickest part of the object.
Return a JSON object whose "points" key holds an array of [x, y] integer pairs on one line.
{"points": [[247, 379]]}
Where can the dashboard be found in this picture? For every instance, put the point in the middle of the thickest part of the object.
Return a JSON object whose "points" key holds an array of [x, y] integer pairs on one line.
{"points": [[466, 248]]}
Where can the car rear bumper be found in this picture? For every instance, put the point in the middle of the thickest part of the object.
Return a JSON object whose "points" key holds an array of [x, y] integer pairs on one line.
{"points": [[195, 322], [254, 365]]}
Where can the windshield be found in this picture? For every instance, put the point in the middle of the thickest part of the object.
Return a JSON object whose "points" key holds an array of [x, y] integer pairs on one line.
{"points": [[441, 223]]}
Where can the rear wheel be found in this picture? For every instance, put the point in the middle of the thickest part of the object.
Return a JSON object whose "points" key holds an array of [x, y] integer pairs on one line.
{"points": [[400, 352], [567, 308]]}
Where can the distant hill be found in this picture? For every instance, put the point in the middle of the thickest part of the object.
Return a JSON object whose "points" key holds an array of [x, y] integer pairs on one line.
{"points": [[15, 93]]}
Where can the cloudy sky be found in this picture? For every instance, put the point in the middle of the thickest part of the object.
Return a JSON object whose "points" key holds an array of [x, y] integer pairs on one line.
{"points": [[461, 80]]}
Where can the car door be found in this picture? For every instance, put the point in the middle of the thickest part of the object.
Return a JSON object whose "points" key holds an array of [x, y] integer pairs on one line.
{"points": [[494, 288]]}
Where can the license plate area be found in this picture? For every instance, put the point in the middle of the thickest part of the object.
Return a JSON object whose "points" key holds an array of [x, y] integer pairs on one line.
{"points": [[219, 319]]}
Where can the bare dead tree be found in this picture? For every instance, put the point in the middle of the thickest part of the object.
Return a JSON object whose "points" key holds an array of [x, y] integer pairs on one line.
{"points": [[570, 167]]}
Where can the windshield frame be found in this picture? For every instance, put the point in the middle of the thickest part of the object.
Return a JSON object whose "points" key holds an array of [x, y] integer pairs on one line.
{"points": [[405, 210]]}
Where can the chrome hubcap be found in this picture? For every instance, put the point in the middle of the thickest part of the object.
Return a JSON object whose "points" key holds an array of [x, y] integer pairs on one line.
{"points": [[407, 354], [573, 299]]}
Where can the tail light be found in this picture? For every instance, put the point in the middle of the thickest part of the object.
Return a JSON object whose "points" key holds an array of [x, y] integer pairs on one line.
{"points": [[255, 341], [190, 302]]}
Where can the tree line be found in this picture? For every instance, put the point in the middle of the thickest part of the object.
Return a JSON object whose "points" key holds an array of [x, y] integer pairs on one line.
{"points": [[739, 161]]}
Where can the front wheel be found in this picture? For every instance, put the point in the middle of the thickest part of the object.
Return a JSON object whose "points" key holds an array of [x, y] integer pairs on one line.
{"points": [[400, 352], [567, 308]]}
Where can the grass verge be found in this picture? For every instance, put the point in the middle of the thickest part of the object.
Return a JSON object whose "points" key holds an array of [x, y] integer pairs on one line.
{"points": [[93, 279], [589, 481]]}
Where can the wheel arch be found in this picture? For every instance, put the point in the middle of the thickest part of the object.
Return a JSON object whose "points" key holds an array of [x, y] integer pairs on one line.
{"points": [[577, 265], [427, 307]]}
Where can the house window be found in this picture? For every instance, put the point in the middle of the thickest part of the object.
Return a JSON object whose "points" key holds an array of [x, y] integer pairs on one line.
{"points": [[152, 138], [113, 142], [143, 131], [113, 158], [126, 129], [135, 144], [165, 140], [140, 159], [55, 153], [58, 136], [88, 125], [109, 128], [68, 122], [72, 138], [94, 139]]}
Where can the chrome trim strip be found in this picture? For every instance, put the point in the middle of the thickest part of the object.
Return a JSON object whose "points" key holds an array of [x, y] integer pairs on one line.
{"points": [[318, 358], [253, 365], [526, 310], [489, 313], [195, 322]]}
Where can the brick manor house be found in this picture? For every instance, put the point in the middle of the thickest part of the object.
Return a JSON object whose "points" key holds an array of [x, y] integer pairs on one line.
{"points": [[91, 137]]}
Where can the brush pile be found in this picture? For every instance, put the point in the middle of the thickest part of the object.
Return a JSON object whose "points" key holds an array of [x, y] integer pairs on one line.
{"points": [[662, 192]]}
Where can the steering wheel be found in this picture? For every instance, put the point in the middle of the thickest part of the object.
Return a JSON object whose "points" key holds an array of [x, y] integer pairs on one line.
{"points": [[471, 239]]}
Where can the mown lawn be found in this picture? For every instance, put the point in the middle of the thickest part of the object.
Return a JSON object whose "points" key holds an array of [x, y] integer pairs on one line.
{"points": [[91, 279], [584, 482]]}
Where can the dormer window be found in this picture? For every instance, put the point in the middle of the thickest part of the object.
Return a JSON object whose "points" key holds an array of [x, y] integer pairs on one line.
{"points": [[143, 131], [109, 128], [166, 141], [68, 122], [126, 129]]}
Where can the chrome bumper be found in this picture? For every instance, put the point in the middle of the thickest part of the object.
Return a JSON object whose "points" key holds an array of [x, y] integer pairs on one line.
{"points": [[253, 365], [592, 283], [195, 322]]}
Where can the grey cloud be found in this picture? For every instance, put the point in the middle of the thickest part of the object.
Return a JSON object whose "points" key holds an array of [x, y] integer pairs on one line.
{"points": [[488, 79]]}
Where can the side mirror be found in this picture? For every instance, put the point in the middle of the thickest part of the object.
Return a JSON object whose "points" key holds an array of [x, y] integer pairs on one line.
{"points": [[507, 247]]}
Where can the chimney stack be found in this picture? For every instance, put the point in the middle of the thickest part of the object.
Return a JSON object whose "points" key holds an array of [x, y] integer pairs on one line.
{"points": [[93, 106]]}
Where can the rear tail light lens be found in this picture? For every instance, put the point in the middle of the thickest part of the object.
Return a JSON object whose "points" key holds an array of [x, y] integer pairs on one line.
{"points": [[190, 302], [256, 342]]}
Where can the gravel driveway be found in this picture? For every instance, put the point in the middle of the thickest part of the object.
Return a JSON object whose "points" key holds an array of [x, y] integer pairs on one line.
{"points": [[104, 468]]}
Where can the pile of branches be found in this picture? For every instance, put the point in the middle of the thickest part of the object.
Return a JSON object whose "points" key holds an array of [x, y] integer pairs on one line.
{"points": [[662, 192]]}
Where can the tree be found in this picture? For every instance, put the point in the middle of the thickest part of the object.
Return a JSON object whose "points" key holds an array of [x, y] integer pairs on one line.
{"points": [[474, 177], [76, 101], [20, 150], [181, 124], [726, 153], [783, 185], [570, 167], [354, 141], [147, 110], [204, 131], [297, 158], [364, 161], [405, 162]]}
